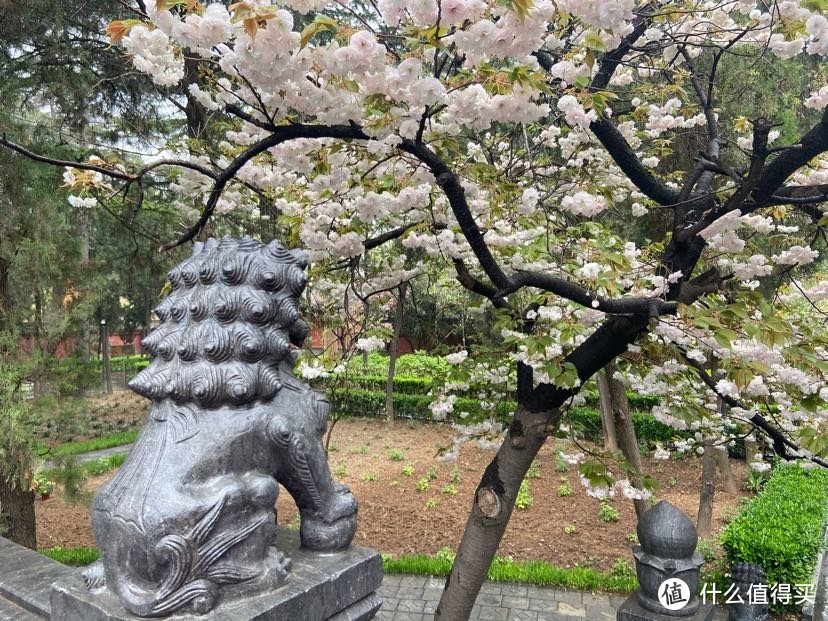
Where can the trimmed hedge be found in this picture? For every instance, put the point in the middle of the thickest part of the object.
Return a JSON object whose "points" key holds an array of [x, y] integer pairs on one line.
{"points": [[781, 529], [422, 385], [356, 402], [402, 385], [585, 421], [637, 402]]}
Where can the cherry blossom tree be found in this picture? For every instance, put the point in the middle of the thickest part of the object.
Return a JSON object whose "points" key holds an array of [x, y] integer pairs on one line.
{"points": [[597, 173]]}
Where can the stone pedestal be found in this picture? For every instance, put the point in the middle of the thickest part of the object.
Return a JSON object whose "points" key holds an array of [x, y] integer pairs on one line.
{"points": [[632, 610], [337, 586]]}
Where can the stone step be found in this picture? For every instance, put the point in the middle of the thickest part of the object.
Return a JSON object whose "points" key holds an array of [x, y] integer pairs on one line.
{"points": [[26, 578], [9, 611]]}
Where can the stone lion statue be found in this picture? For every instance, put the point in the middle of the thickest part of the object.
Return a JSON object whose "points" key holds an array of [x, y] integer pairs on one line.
{"points": [[189, 519]]}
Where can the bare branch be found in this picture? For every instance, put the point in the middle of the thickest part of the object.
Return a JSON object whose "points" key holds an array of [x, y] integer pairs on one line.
{"points": [[465, 278], [379, 240], [109, 172], [650, 307], [204, 170], [237, 111], [799, 195], [788, 161]]}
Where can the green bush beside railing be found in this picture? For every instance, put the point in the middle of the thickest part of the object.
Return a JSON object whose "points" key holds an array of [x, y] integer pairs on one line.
{"points": [[782, 528]]}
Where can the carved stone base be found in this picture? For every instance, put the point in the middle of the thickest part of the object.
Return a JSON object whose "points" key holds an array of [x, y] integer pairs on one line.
{"points": [[632, 610], [336, 586]]}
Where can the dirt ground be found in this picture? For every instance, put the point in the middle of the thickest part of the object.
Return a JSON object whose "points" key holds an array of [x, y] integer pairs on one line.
{"points": [[396, 518]]}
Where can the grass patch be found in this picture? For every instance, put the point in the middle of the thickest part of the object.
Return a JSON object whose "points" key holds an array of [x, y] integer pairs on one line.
{"points": [[506, 570], [87, 446], [102, 465], [502, 570], [71, 556], [95, 467]]}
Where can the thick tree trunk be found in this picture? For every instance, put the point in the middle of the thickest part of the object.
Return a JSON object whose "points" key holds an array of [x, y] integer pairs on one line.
{"points": [[750, 449], [17, 514], [5, 292], [704, 522], [195, 112], [723, 462], [627, 440], [493, 503], [720, 452], [105, 368], [392, 358], [83, 232], [607, 420]]}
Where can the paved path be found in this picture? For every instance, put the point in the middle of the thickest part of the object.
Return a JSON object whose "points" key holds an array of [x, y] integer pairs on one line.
{"points": [[93, 455], [414, 598]]}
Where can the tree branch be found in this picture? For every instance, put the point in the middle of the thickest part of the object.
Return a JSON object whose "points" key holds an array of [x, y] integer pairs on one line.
{"points": [[761, 130], [605, 130], [790, 160], [799, 195], [110, 172], [465, 278], [237, 111], [651, 307], [379, 240], [781, 444]]}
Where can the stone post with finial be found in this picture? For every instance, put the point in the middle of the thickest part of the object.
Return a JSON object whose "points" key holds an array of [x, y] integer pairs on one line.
{"points": [[668, 569]]}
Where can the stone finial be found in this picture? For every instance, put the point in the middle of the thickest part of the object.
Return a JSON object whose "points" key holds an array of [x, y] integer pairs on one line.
{"points": [[667, 564], [667, 532]]}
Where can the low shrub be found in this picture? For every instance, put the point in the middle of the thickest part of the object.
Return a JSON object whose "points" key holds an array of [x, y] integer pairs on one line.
{"points": [[418, 364], [70, 376], [73, 375], [358, 402], [376, 383], [781, 529], [102, 465], [585, 421]]}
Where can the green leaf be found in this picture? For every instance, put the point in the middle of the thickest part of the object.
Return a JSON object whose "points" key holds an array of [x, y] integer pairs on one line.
{"points": [[811, 403], [814, 5], [321, 23], [521, 7], [594, 41], [582, 81]]}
